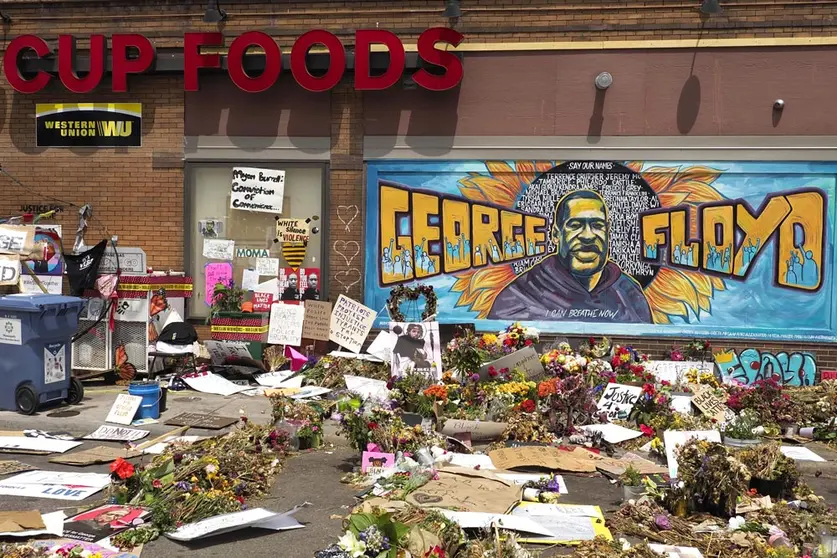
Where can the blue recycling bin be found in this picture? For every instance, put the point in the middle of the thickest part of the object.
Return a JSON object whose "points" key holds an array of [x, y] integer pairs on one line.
{"points": [[36, 333]]}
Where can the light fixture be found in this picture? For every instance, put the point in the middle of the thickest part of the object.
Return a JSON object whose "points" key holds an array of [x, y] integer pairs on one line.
{"points": [[604, 80], [5, 17], [778, 104], [710, 7], [213, 13], [452, 10]]}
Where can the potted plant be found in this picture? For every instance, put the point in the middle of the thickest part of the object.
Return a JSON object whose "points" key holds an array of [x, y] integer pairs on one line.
{"points": [[711, 476], [773, 474], [310, 435], [631, 481], [744, 430]]}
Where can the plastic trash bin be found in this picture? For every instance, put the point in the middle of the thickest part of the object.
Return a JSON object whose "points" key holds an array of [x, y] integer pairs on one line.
{"points": [[36, 334]]}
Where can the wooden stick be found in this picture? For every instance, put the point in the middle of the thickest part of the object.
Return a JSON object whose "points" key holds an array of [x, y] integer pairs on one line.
{"points": [[157, 440]]}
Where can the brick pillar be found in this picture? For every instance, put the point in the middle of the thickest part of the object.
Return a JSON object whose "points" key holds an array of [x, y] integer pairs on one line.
{"points": [[346, 196]]}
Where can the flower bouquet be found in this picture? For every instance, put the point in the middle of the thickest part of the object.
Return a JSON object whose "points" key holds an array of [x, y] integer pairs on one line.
{"points": [[629, 366], [712, 477], [516, 337]]}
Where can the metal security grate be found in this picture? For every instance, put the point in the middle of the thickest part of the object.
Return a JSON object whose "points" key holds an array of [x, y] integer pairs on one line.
{"points": [[90, 352], [134, 337]]}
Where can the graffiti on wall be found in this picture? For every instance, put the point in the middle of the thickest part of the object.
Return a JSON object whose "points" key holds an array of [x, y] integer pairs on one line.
{"points": [[610, 247], [751, 365]]}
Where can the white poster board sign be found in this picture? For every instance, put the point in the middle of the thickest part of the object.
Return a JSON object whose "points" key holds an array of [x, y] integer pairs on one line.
{"points": [[117, 433], [674, 371], [618, 400], [54, 485], [220, 351], [351, 322], [217, 249], [526, 360], [124, 409], [25, 443], [219, 524], [259, 190], [286, 324], [673, 439], [9, 270]]}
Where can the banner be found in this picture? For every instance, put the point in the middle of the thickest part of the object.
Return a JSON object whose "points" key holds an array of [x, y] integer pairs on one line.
{"points": [[730, 249], [88, 125]]}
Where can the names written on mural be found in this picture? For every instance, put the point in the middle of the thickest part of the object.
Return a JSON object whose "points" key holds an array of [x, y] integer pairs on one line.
{"points": [[350, 323]]}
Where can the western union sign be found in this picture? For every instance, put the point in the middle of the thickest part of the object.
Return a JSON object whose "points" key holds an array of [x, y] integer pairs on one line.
{"points": [[89, 125]]}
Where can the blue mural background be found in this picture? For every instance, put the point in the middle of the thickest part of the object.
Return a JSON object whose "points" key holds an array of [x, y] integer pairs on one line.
{"points": [[754, 308]]}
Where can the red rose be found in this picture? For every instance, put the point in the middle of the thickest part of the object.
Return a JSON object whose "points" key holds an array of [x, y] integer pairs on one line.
{"points": [[647, 431], [649, 389], [122, 469], [592, 340], [528, 406], [372, 425], [528, 342]]}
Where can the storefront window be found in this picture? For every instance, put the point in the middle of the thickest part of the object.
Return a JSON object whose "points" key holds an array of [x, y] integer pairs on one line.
{"points": [[210, 217]]}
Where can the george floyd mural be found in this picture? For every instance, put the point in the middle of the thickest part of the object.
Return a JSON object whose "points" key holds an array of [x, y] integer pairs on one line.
{"points": [[603, 247]]}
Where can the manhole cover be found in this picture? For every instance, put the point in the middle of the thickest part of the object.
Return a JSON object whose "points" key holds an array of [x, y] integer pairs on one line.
{"points": [[63, 414], [187, 398]]}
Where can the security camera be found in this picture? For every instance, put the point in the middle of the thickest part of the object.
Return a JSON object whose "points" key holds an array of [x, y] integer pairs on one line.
{"points": [[778, 104]]}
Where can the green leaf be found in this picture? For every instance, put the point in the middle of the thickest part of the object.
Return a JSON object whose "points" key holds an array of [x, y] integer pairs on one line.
{"points": [[361, 521]]}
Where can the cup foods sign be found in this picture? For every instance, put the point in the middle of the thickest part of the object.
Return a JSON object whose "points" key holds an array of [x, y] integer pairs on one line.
{"points": [[89, 125], [432, 48]]}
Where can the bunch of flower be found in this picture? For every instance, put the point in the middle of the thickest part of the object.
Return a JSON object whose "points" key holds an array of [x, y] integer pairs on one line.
{"points": [[675, 353], [570, 402], [437, 392], [330, 371], [629, 366], [711, 474], [385, 429], [599, 372], [408, 390], [768, 399], [465, 354], [46, 549], [518, 390], [516, 337], [767, 462], [562, 363], [595, 349], [703, 377], [698, 350], [650, 403], [746, 426]]}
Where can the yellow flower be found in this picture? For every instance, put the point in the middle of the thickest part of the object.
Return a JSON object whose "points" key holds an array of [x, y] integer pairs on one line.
{"points": [[514, 335], [489, 338], [625, 358], [194, 478]]}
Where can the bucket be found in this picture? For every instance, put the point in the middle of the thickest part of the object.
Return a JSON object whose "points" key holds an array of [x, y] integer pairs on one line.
{"points": [[151, 395]]}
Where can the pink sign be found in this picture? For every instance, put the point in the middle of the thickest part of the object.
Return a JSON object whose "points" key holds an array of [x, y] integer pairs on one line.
{"points": [[374, 462], [216, 272], [829, 374], [262, 302]]}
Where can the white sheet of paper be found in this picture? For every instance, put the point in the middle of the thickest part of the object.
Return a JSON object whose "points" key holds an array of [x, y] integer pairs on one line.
{"points": [[216, 249], [481, 520], [561, 527], [309, 392], [267, 266], [522, 478], [256, 517], [674, 438], [255, 189], [159, 448], [571, 510], [54, 485], [220, 351], [275, 379], [269, 286], [367, 387], [800, 453], [682, 404], [124, 409], [53, 525], [36, 444], [383, 345], [613, 433], [286, 324], [618, 399], [249, 279], [213, 383], [471, 461], [117, 433], [345, 354]]}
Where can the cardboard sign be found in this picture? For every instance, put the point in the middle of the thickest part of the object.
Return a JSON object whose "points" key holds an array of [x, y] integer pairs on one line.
{"points": [[20, 521], [292, 230], [124, 409], [262, 301], [374, 463], [350, 323], [93, 456], [709, 404], [317, 320], [199, 420], [9, 270], [17, 240], [554, 459], [286, 324], [117, 434], [525, 359], [472, 492], [479, 430], [9, 467], [258, 190], [618, 400]]}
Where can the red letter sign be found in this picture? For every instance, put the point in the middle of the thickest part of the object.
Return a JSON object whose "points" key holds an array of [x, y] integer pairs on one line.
{"points": [[122, 65], [336, 63], [13, 75], [363, 40], [66, 57], [272, 62], [427, 51], [193, 59]]}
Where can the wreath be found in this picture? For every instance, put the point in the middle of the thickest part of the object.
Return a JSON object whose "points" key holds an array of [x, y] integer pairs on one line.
{"points": [[401, 293]]}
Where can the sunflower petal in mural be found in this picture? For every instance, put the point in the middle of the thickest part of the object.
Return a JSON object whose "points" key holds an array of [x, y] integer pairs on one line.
{"points": [[670, 293]]}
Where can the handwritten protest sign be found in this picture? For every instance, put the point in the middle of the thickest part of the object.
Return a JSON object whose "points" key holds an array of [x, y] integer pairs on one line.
{"points": [[709, 404], [9, 270], [17, 240], [124, 409], [262, 301], [267, 266], [217, 249], [286, 324], [317, 320], [350, 323], [216, 272], [292, 230], [618, 400], [257, 189], [674, 371], [525, 360]]}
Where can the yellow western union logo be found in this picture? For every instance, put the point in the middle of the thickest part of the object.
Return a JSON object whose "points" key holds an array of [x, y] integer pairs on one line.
{"points": [[90, 128]]}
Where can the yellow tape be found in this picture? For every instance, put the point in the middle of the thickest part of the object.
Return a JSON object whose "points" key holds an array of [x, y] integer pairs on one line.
{"points": [[149, 287], [237, 329]]}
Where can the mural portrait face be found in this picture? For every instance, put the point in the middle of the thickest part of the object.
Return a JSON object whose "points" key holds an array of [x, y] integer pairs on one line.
{"points": [[581, 232], [312, 281], [292, 281]]}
